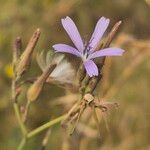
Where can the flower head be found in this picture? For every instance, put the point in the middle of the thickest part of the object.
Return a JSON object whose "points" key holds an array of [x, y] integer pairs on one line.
{"points": [[87, 52]]}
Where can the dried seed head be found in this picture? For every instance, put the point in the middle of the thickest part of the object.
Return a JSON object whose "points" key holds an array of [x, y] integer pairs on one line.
{"points": [[88, 97], [63, 73], [35, 89]]}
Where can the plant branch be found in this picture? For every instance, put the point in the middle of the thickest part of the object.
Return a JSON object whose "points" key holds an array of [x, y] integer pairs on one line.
{"points": [[17, 113], [45, 126], [22, 144], [26, 111]]}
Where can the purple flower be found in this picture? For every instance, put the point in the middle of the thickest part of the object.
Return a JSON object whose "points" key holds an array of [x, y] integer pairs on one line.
{"points": [[87, 52]]}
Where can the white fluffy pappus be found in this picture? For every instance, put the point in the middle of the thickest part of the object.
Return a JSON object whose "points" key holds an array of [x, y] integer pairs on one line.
{"points": [[63, 73]]}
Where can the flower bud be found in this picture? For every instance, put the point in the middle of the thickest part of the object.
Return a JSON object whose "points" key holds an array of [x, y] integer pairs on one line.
{"points": [[25, 59], [17, 49], [112, 34], [35, 89]]}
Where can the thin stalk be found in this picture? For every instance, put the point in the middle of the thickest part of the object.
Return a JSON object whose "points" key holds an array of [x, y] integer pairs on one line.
{"points": [[45, 126], [22, 144], [22, 126], [26, 111]]}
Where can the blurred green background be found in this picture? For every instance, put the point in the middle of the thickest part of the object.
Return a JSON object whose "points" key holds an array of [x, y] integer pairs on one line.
{"points": [[130, 126]]}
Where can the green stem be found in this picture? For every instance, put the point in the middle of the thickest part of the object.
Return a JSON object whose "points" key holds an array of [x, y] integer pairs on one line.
{"points": [[22, 144], [26, 112], [22, 126], [45, 126]]}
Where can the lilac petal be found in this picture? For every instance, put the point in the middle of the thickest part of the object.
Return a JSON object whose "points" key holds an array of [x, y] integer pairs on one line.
{"points": [[99, 30], [107, 52], [91, 68], [73, 32], [66, 49]]}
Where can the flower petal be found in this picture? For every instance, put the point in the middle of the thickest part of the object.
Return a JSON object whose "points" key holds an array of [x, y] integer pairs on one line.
{"points": [[99, 30], [66, 49], [73, 32], [91, 68], [107, 52]]}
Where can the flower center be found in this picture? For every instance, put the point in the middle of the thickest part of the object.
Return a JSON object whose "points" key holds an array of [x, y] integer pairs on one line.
{"points": [[84, 57], [86, 52]]}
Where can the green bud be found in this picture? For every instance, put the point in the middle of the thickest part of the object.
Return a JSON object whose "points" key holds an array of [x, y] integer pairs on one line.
{"points": [[36, 88], [24, 61]]}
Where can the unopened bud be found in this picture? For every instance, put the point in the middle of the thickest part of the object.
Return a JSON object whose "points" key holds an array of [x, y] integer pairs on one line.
{"points": [[18, 45], [17, 49], [35, 89], [112, 34], [25, 59]]}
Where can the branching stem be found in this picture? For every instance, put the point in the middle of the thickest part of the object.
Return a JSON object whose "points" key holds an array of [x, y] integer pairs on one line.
{"points": [[45, 126]]}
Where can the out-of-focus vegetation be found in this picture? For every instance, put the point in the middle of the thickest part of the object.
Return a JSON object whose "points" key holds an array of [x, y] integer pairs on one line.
{"points": [[129, 125]]}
